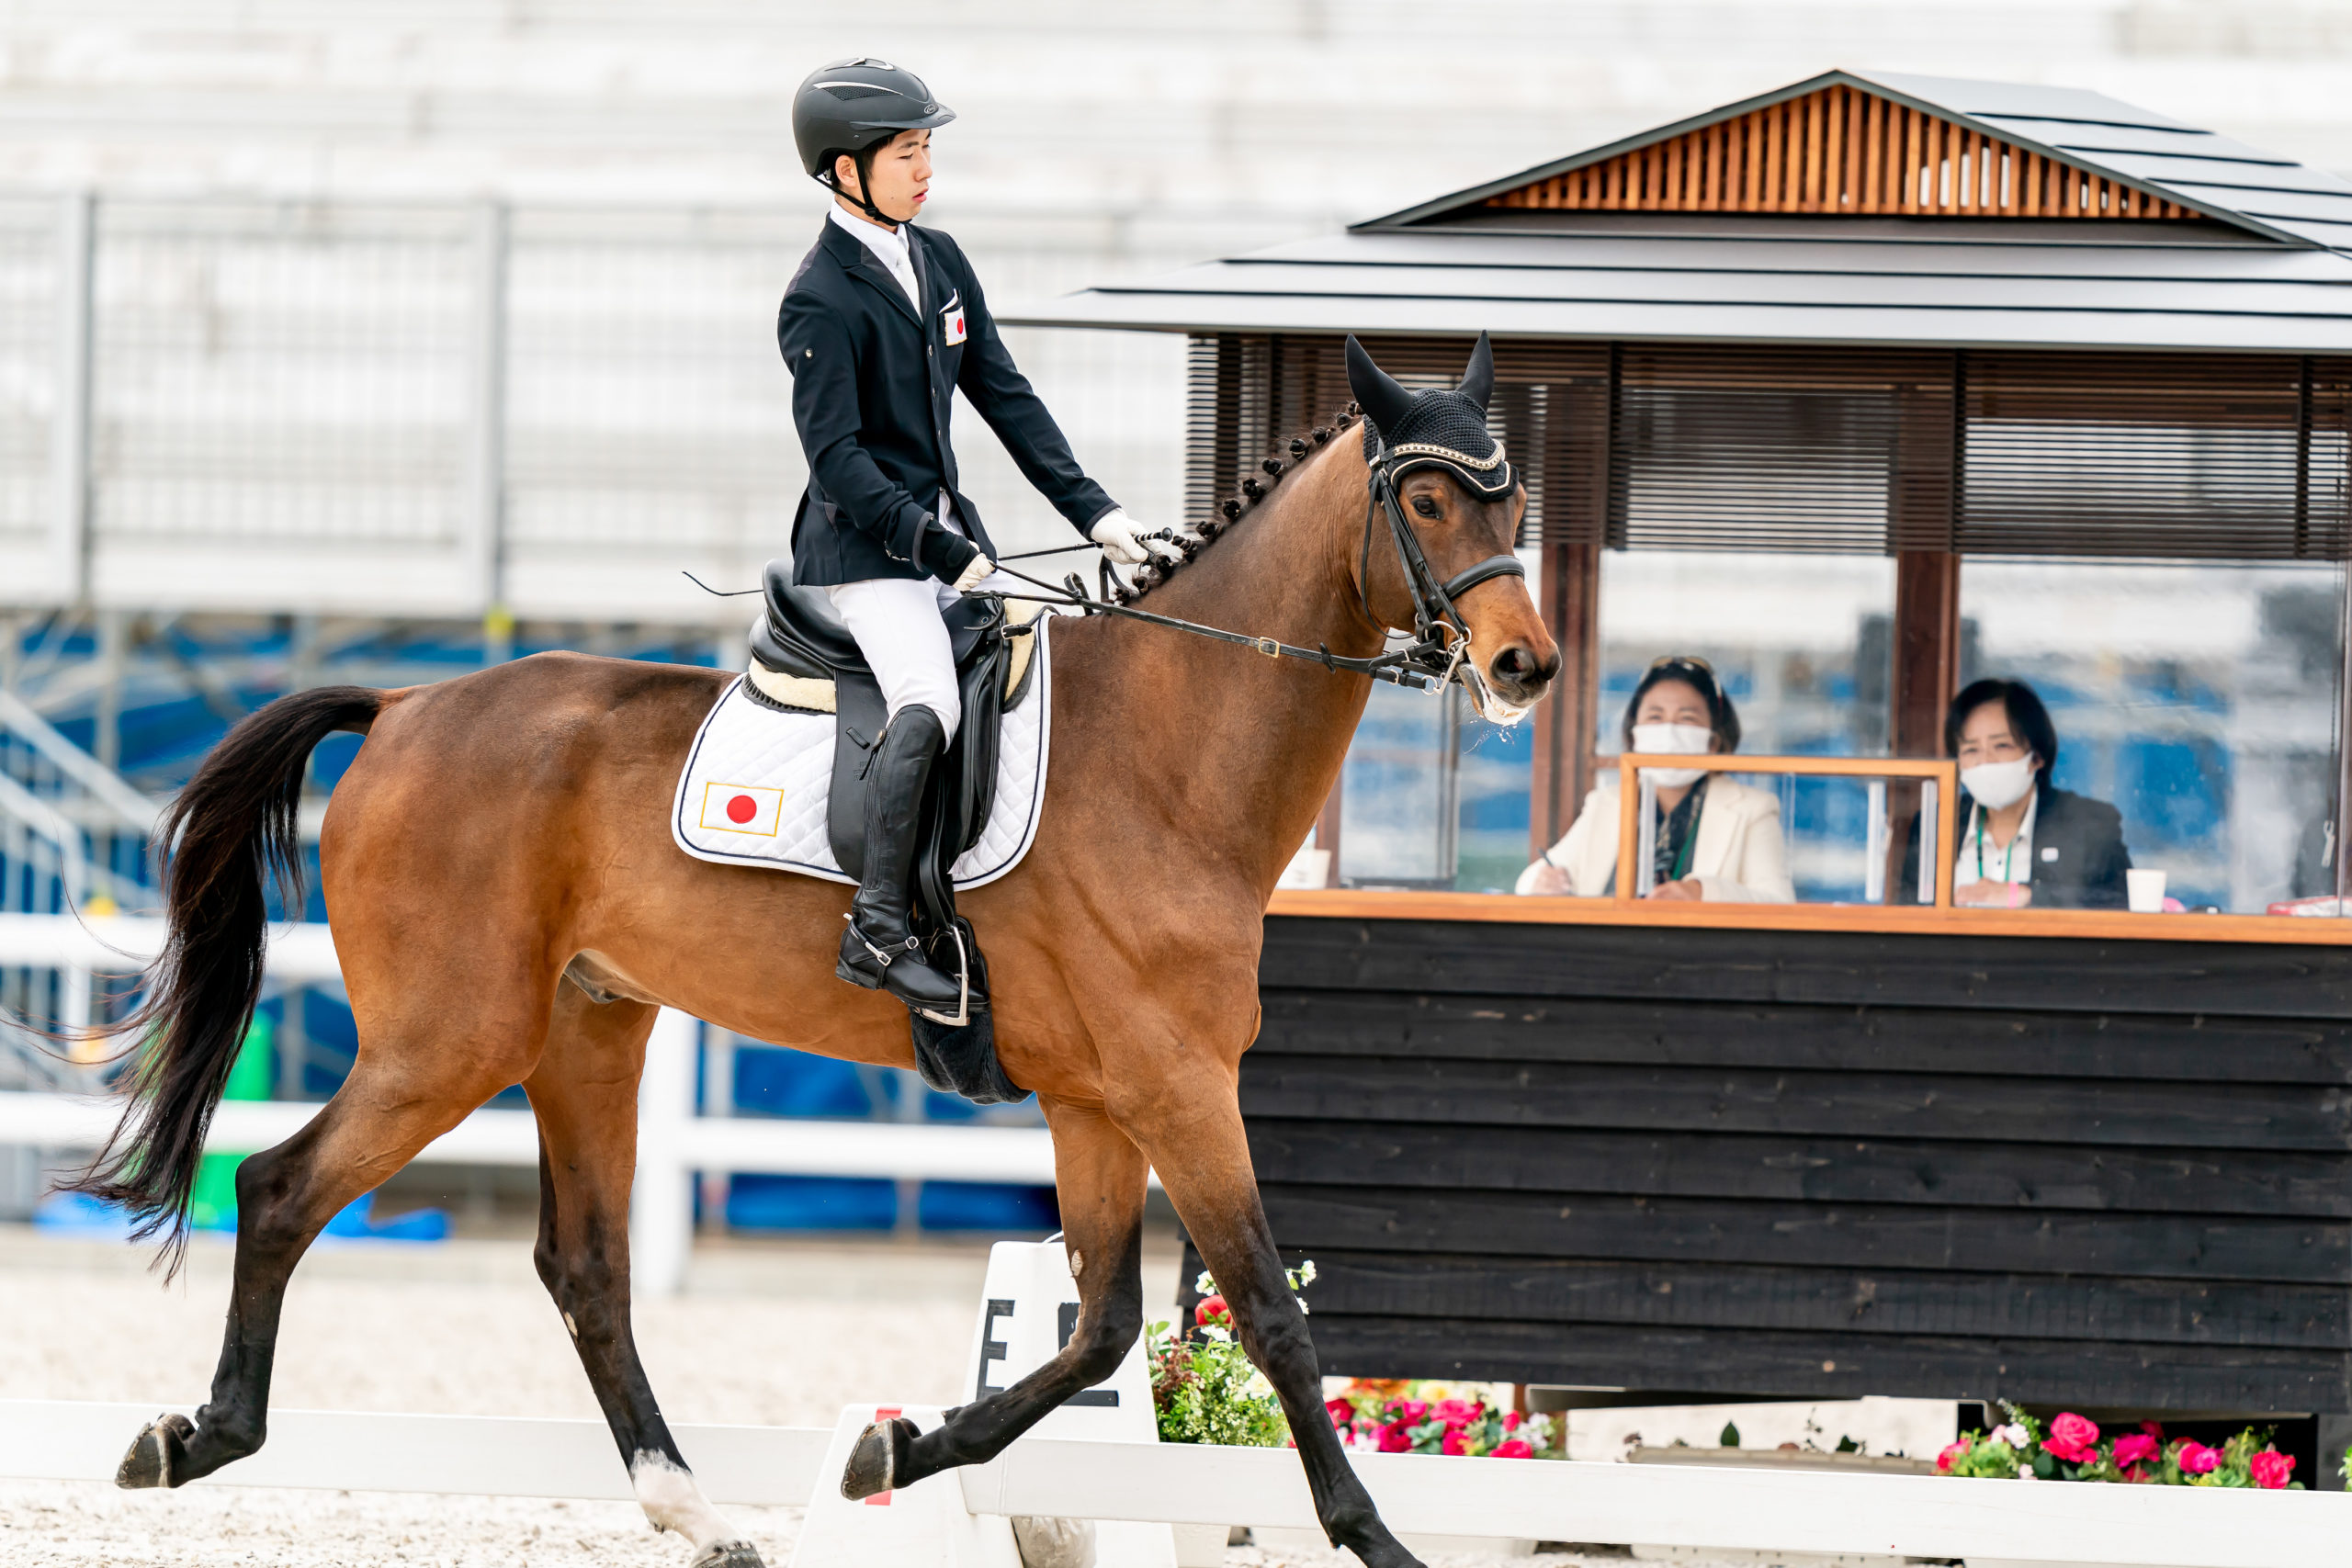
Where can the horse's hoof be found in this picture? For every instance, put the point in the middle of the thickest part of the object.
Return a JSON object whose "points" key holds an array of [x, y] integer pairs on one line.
{"points": [[877, 1459], [155, 1453], [730, 1554]]}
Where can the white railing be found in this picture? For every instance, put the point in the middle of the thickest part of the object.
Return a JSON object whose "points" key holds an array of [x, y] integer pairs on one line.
{"points": [[1708, 1509], [673, 1141]]}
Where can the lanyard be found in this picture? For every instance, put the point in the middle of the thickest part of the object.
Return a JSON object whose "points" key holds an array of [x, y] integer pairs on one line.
{"points": [[2007, 851]]}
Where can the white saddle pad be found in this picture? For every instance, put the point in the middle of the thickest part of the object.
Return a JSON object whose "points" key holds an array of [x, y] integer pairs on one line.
{"points": [[754, 788]]}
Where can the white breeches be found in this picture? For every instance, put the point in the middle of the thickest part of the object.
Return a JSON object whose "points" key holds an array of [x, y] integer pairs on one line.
{"points": [[898, 627]]}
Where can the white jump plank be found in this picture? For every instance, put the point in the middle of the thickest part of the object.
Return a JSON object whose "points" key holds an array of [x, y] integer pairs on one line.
{"points": [[470, 1455], [1667, 1505], [1662, 1505]]}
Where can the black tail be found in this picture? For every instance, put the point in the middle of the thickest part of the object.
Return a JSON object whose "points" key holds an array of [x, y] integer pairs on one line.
{"points": [[231, 827]]}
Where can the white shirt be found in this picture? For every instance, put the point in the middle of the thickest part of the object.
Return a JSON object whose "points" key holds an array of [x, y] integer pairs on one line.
{"points": [[2014, 863], [890, 248]]}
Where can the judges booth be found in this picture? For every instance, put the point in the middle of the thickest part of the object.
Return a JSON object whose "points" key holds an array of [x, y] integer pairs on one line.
{"points": [[1858, 393]]}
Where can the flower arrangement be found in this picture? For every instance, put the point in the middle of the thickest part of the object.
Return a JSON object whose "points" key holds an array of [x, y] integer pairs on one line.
{"points": [[1428, 1417], [1205, 1389], [2072, 1449]]}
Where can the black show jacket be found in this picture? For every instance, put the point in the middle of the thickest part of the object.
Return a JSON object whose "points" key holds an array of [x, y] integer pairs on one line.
{"points": [[873, 384], [2078, 851]]}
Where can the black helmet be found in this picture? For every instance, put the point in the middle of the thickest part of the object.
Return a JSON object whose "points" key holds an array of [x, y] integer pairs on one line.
{"points": [[852, 104]]}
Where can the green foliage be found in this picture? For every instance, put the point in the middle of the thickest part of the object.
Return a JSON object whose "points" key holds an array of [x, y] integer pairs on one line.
{"points": [[1730, 1437], [1204, 1388]]}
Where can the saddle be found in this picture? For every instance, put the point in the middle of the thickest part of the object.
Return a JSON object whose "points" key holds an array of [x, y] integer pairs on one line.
{"points": [[804, 660]]}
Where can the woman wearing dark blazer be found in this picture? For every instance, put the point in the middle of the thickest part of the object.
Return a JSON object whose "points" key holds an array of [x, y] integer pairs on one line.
{"points": [[2021, 839]]}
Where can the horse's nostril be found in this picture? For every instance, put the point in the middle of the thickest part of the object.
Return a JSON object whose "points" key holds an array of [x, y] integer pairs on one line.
{"points": [[1513, 663]]}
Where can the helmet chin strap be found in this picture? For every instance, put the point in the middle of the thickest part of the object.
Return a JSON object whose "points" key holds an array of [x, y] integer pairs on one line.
{"points": [[863, 202]]}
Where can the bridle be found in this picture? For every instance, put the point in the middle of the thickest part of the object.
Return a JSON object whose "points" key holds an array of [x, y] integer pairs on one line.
{"points": [[1438, 654]]}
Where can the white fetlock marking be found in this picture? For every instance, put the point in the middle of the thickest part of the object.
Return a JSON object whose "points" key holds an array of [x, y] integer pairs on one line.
{"points": [[673, 1501]]}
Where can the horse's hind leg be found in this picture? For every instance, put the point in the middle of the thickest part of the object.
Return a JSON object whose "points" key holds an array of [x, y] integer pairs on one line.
{"points": [[585, 1092], [372, 1127], [1099, 1176]]}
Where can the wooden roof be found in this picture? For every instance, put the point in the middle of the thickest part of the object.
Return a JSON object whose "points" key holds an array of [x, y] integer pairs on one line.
{"points": [[1847, 151], [1865, 144]]}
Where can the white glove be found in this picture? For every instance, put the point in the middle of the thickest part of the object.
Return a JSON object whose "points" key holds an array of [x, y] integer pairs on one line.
{"points": [[971, 576], [1124, 543]]}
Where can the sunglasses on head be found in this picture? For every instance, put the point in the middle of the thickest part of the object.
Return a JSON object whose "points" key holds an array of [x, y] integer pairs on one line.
{"points": [[1687, 661]]}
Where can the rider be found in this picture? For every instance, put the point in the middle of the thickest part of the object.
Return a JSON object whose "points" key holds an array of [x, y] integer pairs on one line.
{"points": [[881, 327]]}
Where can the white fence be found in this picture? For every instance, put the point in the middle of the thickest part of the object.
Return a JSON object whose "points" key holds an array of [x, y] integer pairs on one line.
{"points": [[673, 1141], [439, 410], [1984, 1523]]}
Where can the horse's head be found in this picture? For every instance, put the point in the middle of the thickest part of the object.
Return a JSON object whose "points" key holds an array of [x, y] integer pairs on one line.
{"points": [[1462, 500]]}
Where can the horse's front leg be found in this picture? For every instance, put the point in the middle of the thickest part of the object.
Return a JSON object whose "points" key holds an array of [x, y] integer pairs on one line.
{"points": [[1099, 1176], [1192, 1132]]}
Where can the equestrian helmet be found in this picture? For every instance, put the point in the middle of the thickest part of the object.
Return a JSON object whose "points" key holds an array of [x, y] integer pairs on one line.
{"points": [[852, 104]]}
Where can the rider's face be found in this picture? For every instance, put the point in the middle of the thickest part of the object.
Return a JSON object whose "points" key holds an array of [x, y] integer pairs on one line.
{"points": [[901, 175]]}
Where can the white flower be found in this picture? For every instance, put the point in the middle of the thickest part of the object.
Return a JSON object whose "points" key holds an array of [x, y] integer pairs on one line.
{"points": [[1306, 1272], [1302, 1305], [1257, 1387], [1205, 1285], [2025, 1472], [2013, 1434], [1211, 1331]]}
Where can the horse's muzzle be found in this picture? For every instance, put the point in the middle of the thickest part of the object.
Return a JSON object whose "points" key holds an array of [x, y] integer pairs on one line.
{"points": [[1518, 676]]}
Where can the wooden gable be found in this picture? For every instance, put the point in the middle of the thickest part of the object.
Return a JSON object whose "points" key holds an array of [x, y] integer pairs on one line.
{"points": [[1840, 151]]}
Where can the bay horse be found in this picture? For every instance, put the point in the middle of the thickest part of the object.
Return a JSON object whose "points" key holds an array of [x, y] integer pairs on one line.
{"points": [[509, 907]]}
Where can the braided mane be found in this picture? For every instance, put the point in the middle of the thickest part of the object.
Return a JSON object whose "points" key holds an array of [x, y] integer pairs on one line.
{"points": [[1234, 507]]}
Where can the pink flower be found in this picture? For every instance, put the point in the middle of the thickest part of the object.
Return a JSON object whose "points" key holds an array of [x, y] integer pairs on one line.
{"points": [[2270, 1469], [1457, 1412], [2153, 1428], [2195, 1459], [1393, 1440], [1952, 1452], [1513, 1448], [2131, 1449], [1412, 1412], [2073, 1439], [1511, 1419], [1211, 1307], [1453, 1441], [1340, 1411]]}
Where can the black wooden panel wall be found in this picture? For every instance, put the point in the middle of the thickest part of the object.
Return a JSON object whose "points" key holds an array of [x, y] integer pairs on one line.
{"points": [[1814, 1165]]}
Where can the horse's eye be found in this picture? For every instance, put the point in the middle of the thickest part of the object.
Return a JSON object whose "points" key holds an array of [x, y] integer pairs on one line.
{"points": [[1425, 506]]}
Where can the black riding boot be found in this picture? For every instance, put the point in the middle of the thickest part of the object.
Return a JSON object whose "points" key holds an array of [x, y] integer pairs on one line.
{"points": [[878, 951]]}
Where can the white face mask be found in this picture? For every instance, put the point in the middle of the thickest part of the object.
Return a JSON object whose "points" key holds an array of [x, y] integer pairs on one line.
{"points": [[1674, 740], [1997, 784]]}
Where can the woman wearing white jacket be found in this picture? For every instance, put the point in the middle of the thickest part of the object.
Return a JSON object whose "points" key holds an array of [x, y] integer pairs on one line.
{"points": [[1717, 840]]}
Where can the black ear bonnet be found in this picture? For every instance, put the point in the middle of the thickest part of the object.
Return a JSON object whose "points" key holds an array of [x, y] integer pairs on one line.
{"points": [[1435, 429]]}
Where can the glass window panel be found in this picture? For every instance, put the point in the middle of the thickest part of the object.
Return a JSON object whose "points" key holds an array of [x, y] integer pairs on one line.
{"points": [[1800, 642], [1433, 796], [2200, 700]]}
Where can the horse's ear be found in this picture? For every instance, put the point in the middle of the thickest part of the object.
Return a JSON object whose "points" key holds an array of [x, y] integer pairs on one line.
{"points": [[1478, 380], [1383, 401]]}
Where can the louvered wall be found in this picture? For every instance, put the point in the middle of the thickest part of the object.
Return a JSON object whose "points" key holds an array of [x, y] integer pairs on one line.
{"points": [[1865, 451], [1841, 150]]}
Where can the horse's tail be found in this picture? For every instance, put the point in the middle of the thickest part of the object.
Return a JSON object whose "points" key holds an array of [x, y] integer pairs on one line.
{"points": [[233, 827]]}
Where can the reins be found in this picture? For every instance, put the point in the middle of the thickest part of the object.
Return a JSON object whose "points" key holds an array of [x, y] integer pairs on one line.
{"points": [[1428, 664]]}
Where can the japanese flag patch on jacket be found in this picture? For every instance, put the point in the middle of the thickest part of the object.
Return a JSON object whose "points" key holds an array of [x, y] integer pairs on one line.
{"points": [[951, 318]]}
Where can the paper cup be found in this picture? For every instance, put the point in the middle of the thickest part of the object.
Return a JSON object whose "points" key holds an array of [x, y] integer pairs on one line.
{"points": [[2144, 891]]}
